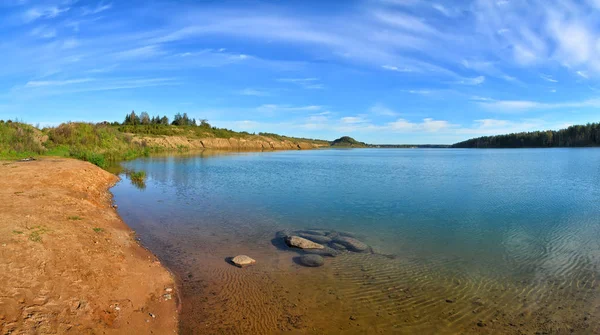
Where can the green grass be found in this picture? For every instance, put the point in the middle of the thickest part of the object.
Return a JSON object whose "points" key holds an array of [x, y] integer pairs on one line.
{"points": [[36, 234], [18, 140], [104, 144], [18, 232], [138, 176], [75, 218], [98, 230]]}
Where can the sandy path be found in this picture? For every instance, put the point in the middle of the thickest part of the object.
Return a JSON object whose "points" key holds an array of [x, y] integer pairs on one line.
{"points": [[68, 263]]}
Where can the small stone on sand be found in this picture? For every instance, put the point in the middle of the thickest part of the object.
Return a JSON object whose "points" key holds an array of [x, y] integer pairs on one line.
{"points": [[242, 261]]}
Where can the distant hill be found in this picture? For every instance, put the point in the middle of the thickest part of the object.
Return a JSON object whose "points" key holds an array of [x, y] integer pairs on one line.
{"points": [[348, 142]]}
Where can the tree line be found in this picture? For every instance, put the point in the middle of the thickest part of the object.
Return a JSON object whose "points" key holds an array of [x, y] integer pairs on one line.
{"points": [[133, 119], [573, 136]]}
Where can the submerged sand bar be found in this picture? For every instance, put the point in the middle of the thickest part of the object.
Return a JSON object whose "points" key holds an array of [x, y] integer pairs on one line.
{"points": [[68, 263]]}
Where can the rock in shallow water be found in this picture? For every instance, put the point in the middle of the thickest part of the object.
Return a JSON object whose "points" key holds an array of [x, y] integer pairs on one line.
{"points": [[321, 239], [311, 260], [283, 233], [351, 243], [337, 246], [302, 243], [326, 251], [318, 232], [242, 261]]}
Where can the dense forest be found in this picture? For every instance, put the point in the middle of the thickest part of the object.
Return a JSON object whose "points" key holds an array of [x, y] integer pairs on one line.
{"points": [[575, 136]]}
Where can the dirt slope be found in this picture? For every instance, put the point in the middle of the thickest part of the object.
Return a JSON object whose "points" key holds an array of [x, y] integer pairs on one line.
{"points": [[68, 264]]}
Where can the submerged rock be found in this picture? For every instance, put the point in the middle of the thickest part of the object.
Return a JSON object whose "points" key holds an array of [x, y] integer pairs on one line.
{"points": [[351, 243], [318, 232], [302, 243], [242, 261], [337, 246], [283, 233], [326, 251], [321, 239], [346, 234], [311, 260]]}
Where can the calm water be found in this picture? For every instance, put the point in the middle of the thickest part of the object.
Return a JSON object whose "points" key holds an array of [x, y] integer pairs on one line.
{"points": [[485, 241]]}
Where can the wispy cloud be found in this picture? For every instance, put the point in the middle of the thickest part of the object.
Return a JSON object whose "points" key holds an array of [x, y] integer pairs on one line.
{"points": [[141, 52], [255, 92], [288, 108], [100, 7], [57, 82], [382, 110], [43, 32], [527, 105], [48, 12], [306, 83], [472, 81], [548, 78], [395, 68]]}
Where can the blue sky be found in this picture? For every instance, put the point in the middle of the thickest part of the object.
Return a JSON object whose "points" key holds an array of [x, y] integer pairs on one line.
{"points": [[382, 71]]}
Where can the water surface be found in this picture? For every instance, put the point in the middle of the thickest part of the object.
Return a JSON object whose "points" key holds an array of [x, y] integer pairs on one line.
{"points": [[503, 241]]}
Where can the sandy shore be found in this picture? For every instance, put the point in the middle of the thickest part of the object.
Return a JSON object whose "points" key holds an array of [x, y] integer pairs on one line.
{"points": [[68, 263]]}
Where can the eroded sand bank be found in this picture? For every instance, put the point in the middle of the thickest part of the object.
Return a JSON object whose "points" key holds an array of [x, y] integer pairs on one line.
{"points": [[68, 263]]}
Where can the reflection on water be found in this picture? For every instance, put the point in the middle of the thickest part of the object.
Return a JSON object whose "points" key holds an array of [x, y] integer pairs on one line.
{"points": [[485, 240]]}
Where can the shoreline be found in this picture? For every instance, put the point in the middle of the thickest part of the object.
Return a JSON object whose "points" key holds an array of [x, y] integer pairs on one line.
{"points": [[68, 262]]}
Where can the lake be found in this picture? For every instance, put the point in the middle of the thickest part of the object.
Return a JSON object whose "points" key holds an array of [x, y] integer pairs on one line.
{"points": [[462, 240]]}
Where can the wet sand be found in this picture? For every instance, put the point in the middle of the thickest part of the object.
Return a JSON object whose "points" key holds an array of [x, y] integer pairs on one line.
{"points": [[68, 263]]}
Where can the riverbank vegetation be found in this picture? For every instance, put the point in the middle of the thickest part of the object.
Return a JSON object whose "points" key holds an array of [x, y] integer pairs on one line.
{"points": [[107, 142], [574, 136]]}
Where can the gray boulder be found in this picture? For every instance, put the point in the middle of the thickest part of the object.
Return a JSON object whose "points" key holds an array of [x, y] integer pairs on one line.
{"points": [[302, 243], [321, 239]]}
